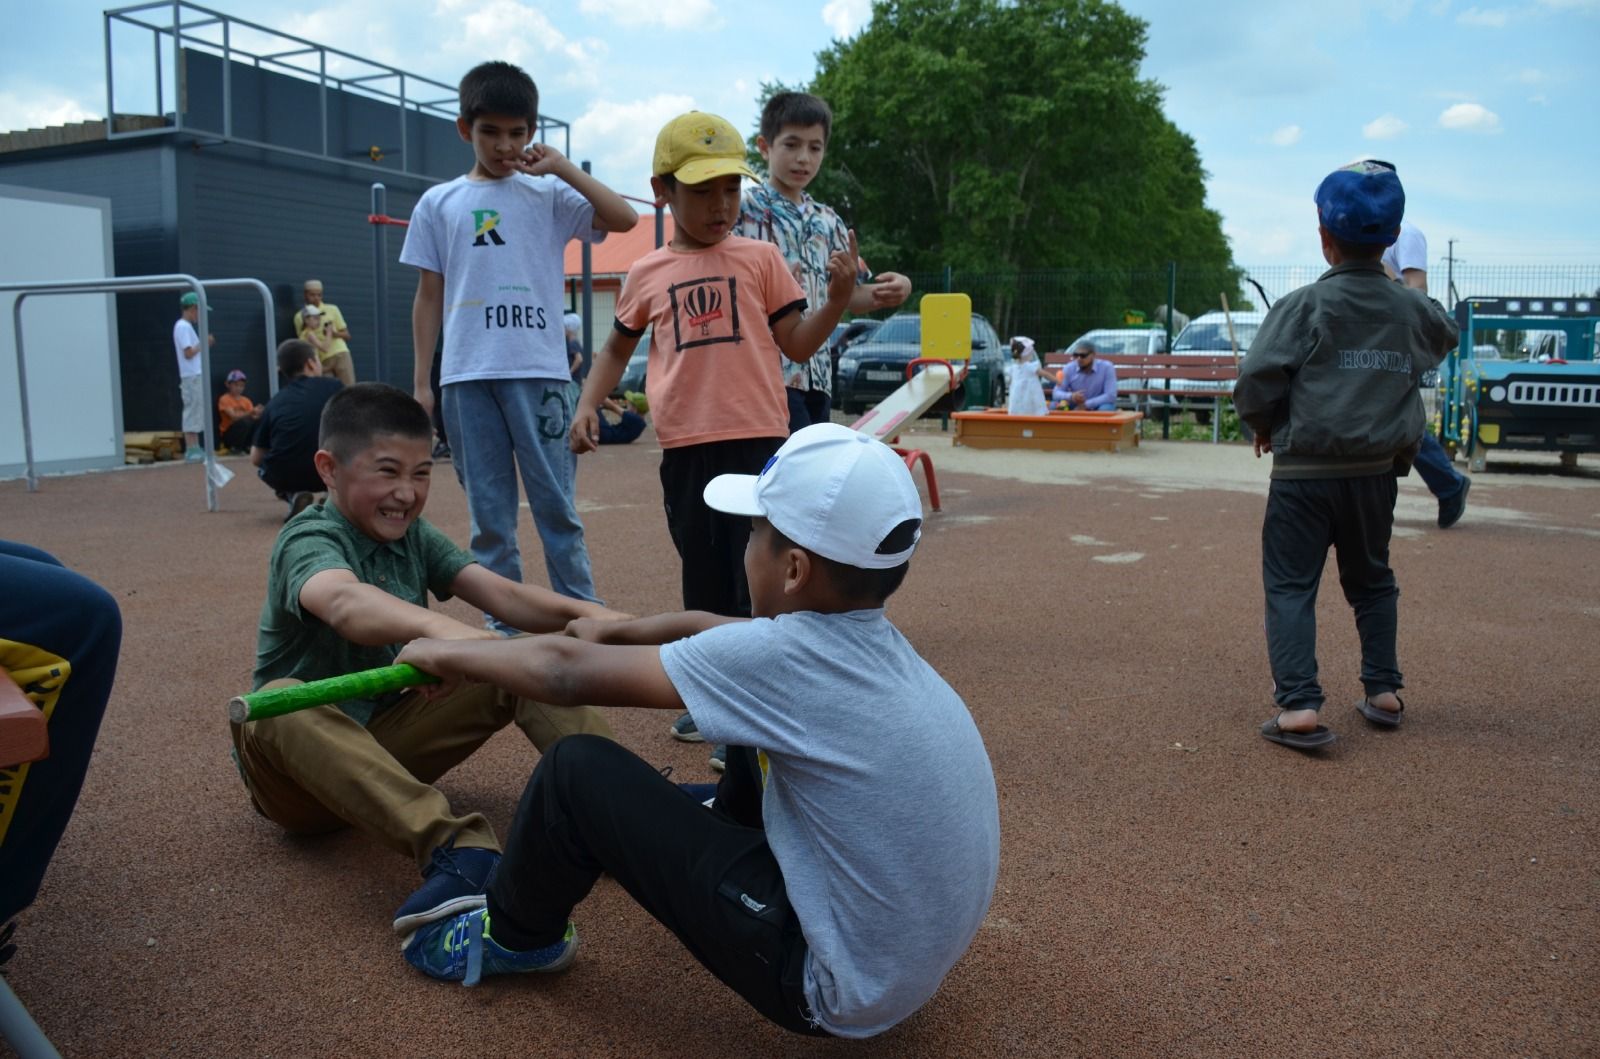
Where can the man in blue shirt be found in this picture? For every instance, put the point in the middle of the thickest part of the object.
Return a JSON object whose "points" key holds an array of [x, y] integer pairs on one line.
{"points": [[1087, 384]]}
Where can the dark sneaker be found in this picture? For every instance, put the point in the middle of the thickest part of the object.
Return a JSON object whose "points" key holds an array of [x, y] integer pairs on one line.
{"points": [[1450, 510], [683, 730], [455, 882], [441, 451], [719, 759], [461, 950]]}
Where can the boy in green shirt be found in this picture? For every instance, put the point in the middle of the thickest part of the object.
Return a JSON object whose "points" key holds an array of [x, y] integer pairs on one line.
{"points": [[347, 586]]}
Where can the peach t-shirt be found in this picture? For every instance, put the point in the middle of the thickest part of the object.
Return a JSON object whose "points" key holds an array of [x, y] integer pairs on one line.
{"points": [[713, 372], [231, 408]]}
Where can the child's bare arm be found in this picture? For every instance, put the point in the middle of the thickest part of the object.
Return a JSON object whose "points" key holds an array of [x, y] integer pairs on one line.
{"points": [[554, 669], [367, 615], [531, 608], [886, 291], [611, 211], [801, 338], [653, 629], [427, 315], [606, 369]]}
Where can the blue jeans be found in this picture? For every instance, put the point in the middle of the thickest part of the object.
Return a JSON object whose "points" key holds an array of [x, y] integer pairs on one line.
{"points": [[1433, 464], [497, 428]]}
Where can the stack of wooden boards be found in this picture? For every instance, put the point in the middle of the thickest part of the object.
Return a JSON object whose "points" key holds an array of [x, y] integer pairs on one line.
{"points": [[150, 446]]}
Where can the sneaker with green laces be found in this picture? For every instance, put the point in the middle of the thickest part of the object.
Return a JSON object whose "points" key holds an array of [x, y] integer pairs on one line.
{"points": [[460, 949]]}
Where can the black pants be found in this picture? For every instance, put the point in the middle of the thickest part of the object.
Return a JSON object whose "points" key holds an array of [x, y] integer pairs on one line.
{"points": [[59, 638], [706, 874], [807, 407], [1354, 516], [237, 437], [710, 544]]}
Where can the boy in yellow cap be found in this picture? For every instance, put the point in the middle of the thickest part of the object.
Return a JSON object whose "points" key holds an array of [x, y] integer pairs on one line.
{"points": [[720, 308]]}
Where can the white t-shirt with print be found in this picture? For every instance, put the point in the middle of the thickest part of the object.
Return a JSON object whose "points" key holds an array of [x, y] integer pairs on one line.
{"points": [[184, 336], [498, 244]]}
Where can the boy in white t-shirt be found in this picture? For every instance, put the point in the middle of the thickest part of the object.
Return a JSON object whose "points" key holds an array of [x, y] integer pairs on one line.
{"points": [[487, 247], [846, 862], [186, 344]]}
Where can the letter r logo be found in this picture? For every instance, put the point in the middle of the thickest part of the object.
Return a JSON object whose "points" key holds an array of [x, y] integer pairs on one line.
{"points": [[484, 223]]}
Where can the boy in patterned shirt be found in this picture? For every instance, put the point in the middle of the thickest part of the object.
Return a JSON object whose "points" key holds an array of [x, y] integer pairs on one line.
{"points": [[795, 127]]}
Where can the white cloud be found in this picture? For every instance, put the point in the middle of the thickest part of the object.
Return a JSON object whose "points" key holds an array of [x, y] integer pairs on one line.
{"points": [[1528, 76], [40, 109], [1469, 117], [480, 29], [846, 17], [1540, 100], [1386, 127], [1487, 18], [1287, 136], [626, 136], [676, 14]]}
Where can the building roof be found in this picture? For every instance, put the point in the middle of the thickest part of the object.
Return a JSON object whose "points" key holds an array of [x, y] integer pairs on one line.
{"points": [[75, 132], [621, 249]]}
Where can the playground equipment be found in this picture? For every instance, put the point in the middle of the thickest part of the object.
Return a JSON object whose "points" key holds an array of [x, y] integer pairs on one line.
{"points": [[1071, 431], [1528, 405], [946, 342]]}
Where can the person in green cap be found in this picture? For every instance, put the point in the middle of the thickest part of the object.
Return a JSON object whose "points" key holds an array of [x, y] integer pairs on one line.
{"points": [[186, 342]]}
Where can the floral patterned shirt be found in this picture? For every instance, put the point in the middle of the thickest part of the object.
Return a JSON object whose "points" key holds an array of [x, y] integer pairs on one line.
{"points": [[805, 233]]}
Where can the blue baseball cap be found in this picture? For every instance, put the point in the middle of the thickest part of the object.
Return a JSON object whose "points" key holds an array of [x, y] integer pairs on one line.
{"points": [[1362, 203]]}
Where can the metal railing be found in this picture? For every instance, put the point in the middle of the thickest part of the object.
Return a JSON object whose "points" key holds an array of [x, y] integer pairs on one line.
{"points": [[188, 25], [173, 281]]}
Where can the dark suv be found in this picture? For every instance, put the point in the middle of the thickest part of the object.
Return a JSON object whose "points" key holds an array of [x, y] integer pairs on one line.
{"points": [[875, 367]]}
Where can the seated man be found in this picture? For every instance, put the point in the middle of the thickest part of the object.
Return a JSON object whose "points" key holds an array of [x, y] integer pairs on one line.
{"points": [[285, 444], [63, 655], [1087, 384], [347, 585]]}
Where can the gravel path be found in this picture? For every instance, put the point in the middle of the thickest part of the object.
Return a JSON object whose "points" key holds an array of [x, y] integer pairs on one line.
{"points": [[1170, 883]]}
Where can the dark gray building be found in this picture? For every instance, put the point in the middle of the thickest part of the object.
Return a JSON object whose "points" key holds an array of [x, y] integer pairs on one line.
{"points": [[259, 174]]}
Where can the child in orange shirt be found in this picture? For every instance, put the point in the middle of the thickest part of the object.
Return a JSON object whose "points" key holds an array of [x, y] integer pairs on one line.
{"points": [[237, 415]]}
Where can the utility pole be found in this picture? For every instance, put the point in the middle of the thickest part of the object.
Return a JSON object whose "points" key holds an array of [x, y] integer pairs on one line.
{"points": [[1450, 272]]}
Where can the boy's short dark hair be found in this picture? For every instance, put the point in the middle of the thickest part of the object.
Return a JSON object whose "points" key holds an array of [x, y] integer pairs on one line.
{"points": [[357, 415], [795, 108], [292, 356], [498, 88], [870, 588], [1357, 251]]}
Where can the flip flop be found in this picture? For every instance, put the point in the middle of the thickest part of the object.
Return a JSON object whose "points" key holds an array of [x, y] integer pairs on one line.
{"points": [[1316, 739], [1381, 717]]}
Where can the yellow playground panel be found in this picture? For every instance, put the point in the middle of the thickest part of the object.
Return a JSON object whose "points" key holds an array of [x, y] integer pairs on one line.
{"points": [[947, 326]]}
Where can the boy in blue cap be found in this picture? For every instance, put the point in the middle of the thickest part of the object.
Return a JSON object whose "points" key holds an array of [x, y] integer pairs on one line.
{"points": [[1330, 387]]}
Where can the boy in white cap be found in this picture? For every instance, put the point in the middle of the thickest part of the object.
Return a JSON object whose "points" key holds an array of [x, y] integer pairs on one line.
{"points": [[852, 848]]}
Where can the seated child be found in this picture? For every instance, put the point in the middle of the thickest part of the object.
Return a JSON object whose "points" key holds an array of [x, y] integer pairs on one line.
{"points": [[347, 584], [1024, 395], [619, 424], [237, 415], [285, 446], [1330, 387], [853, 845]]}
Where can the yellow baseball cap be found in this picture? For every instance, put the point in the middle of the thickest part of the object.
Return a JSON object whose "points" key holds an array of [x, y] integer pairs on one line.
{"points": [[695, 147]]}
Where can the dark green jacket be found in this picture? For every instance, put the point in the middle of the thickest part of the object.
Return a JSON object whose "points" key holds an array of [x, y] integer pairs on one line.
{"points": [[1332, 374]]}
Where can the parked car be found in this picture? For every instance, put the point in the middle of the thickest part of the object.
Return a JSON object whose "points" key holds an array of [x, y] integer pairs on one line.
{"points": [[846, 335], [1127, 341], [875, 367], [1207, 336]]}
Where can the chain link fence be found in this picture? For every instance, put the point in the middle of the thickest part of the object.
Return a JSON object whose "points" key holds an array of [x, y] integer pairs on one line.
{"points": [[1055, 306]]}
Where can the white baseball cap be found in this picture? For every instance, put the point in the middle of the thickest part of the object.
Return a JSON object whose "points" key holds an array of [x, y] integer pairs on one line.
{"points": [[831, 490]]}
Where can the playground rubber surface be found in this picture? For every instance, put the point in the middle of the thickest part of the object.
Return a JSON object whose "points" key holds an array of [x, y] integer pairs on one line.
{"points": [[1171, 884]]}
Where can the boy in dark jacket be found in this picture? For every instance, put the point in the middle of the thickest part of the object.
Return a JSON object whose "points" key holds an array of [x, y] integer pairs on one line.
{"points": [[1330, 389]]}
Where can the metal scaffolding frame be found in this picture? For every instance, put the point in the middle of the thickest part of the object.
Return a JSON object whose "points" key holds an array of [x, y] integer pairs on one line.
{"points": [[203, 29]]}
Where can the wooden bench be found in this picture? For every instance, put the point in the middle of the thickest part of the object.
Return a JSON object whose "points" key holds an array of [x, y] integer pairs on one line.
{"points": [[1136, 371]]}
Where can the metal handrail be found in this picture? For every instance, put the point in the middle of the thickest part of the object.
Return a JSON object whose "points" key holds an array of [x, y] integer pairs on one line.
{"points": [[172, 281]]}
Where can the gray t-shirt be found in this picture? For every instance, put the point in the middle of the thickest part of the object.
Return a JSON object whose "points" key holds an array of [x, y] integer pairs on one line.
{"points": [[880, 804], [498, 244]]}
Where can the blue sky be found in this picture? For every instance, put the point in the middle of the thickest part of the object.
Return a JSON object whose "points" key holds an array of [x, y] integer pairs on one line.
{"points": [[1489, 109]]}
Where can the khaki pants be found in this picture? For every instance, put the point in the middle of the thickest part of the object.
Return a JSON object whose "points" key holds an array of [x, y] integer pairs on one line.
{"points": [[316, 770], [341, 367]]}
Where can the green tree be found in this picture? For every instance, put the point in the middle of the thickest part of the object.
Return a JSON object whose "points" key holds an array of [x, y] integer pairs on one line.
{"points": [[994, 136]]}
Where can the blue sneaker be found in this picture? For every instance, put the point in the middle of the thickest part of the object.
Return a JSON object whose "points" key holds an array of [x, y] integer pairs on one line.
{"points": [[719, 758], [461, 950], [453, 883], [684, 730]]}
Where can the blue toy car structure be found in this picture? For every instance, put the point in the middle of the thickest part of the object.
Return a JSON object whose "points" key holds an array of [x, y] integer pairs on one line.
{"points": [[1538, 405]]}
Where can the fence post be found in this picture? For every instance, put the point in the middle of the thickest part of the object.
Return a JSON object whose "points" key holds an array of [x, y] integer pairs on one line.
{"points": [[588, 297], [1172, 307], [380, 280]]}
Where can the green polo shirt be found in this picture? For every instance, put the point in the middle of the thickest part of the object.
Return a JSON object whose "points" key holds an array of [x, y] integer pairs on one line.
{"points": [[293, 642]]}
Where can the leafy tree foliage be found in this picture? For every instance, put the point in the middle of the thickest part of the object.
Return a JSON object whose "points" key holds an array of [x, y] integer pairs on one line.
{"points": [[997, 136]]}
